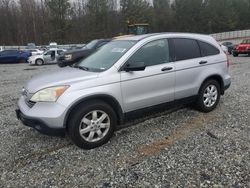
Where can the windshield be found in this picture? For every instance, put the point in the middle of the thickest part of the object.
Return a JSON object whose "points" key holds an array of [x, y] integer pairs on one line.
{"points": [[106, 56], [91, 44]]}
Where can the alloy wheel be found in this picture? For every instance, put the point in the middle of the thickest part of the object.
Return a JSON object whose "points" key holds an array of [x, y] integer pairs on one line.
{"points": [[210, 96], [94, 126]]}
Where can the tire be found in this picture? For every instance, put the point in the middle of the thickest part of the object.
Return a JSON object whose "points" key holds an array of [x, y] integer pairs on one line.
{"points": [[39, 62], [84, 119], [60, 64], [208, 103], [235, 54]]}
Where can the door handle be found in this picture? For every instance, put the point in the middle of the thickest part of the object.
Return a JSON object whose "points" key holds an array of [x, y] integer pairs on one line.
{"points": [[203, 62], [166, 68]]}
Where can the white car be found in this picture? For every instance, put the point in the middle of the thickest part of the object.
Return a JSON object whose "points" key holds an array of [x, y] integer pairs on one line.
{"points": [[1, 48], [48, 57], [35, 51]]}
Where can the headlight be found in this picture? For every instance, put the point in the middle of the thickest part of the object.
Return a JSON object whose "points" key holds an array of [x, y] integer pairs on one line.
{"points": [[50, 94], [68, 57]]}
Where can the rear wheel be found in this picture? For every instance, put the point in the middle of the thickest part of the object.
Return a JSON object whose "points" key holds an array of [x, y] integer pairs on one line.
{"points": [[209, 96], [92, 124], [39, 62]]}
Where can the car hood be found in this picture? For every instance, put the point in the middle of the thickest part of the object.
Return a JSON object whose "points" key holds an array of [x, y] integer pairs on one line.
{"points": [[64, 76]]}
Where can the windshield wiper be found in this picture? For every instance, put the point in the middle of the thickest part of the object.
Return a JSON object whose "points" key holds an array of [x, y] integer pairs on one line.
{"points": [[81, 67]]}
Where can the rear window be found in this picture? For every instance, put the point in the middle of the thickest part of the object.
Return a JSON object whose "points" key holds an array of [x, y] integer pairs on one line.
{"points": [[186, 49], [208, 49]]}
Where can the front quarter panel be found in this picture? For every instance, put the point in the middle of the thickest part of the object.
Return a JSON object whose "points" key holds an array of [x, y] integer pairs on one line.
{"points": [[103, 85]]}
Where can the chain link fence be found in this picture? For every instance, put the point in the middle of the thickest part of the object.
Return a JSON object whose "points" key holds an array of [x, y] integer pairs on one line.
{"points": [[231, 35]]}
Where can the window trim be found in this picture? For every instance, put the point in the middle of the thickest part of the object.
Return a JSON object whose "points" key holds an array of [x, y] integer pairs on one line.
{"points": [[170, 54]]}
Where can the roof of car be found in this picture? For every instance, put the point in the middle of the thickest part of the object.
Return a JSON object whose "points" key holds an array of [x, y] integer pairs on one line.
{"points": [[141, 37]]}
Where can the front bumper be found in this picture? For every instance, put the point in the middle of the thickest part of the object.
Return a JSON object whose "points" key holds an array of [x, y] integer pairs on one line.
{"points": [[47, 118], [39, 125], [31, 61]]}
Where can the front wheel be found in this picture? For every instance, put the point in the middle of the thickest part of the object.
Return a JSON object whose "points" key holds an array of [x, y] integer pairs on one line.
{"points": [[39, 62], [209, 96], [92, 124]]}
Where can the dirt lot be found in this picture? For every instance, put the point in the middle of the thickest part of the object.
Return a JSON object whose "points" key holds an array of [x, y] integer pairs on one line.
{"points": [[182, 148]]}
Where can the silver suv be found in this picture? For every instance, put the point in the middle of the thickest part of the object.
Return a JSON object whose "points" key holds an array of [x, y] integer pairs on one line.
{"points": [[92, 98]]}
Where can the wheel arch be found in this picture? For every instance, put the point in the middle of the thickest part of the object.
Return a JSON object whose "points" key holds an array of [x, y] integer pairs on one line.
{"points": [[103, 97], [218, 78], [39, 59]]}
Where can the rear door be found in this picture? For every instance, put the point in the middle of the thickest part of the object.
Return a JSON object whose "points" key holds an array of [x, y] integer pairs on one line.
{"points": [[58, 53], [154, 85], [192, 58], [49, 56], [187, 63]]}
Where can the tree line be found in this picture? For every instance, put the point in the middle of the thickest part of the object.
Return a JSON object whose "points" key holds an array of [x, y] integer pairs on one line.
{"points": [[79, 21]]}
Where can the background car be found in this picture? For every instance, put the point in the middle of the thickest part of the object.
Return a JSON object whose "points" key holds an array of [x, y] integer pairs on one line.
{"points": [[77, 47], [72, 56], [34, 51], [31, 46], [242, 48], [48, 57], [14, 56], [1, 48], [230, 46]]}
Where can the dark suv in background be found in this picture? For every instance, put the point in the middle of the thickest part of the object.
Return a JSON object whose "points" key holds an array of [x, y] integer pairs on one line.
{"points": [[230, 46], [72, 56]]}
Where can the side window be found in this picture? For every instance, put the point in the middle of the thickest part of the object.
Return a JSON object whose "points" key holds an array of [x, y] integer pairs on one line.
{"points": [[208, 49], [153, 53], [186, 49]]}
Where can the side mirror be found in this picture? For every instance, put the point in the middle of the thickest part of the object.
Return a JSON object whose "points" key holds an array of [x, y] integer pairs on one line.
{"points": [[135, 66]]}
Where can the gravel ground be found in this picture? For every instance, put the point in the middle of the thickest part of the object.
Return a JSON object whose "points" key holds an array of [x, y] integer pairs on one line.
{"points": [[182, 148]]}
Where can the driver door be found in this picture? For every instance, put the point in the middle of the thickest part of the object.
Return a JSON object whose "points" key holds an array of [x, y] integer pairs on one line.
{"points": [[154, 85]]}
